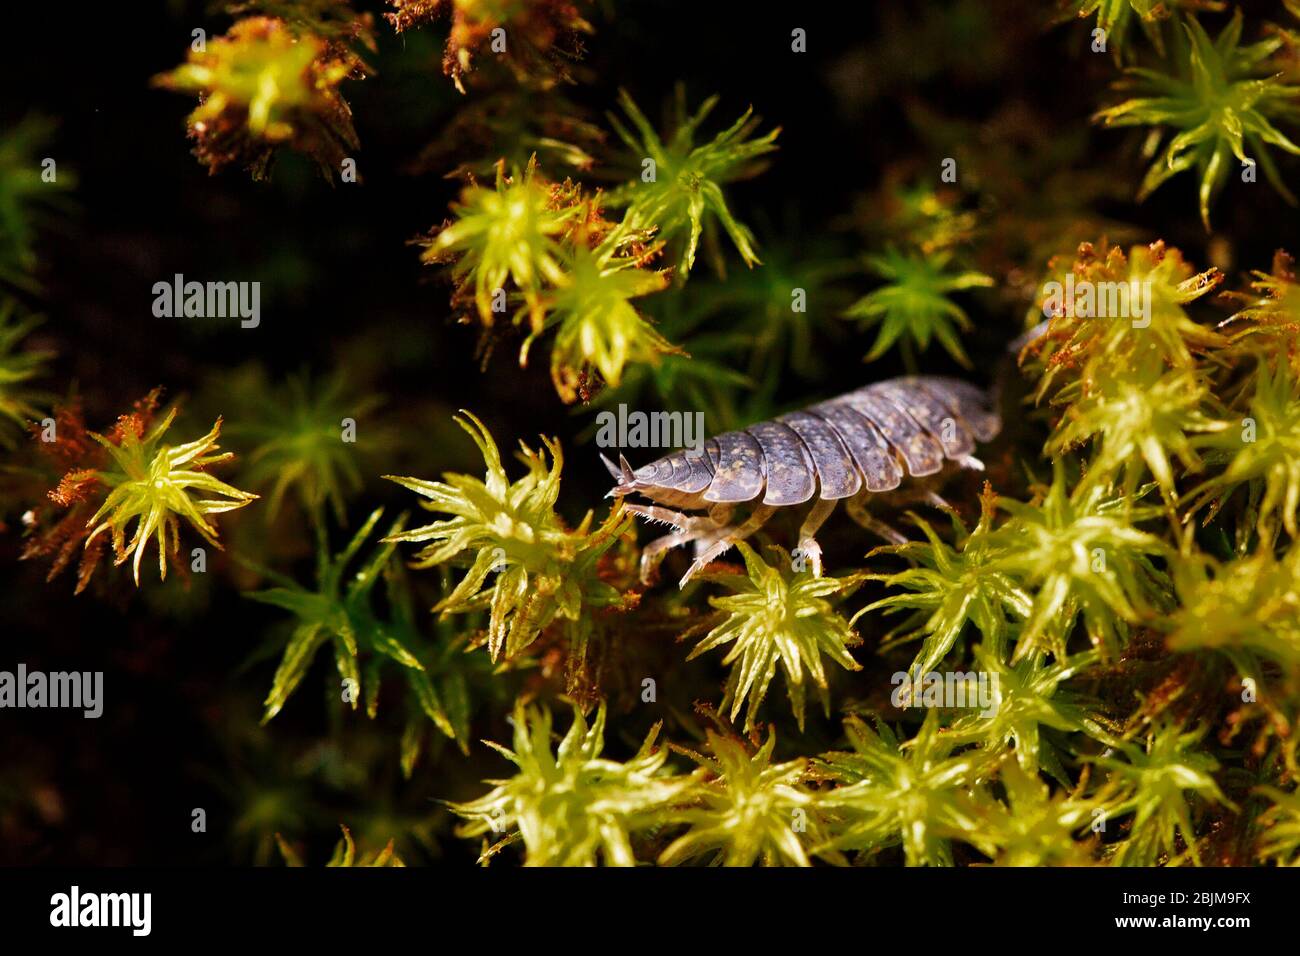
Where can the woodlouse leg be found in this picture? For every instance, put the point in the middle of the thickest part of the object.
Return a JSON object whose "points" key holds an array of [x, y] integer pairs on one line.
{"points": [[808, 546], [751, 524], [653, 552], [704, 531], [666, 516], [720, 515], [690, 528], [857, 510], [936, 500]]}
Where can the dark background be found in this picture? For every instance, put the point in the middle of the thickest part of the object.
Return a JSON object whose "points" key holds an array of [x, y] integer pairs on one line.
{"points": [[342, 288]]}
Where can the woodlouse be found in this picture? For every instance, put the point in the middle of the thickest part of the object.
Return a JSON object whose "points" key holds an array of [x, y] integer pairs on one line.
{"points": [[859, 444]]}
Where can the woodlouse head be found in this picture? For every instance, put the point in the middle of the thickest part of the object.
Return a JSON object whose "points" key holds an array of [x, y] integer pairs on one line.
{"points": [[676, 480], [623, 474]]}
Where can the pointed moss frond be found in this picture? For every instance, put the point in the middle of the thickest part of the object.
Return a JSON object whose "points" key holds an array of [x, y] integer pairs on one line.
{"points": [[1080, 553], [778, 616], [1247, 609], [62, 535], [508, 234], [780, 317], [337, 611], [1268, 321], [750, 810], [1040, 827], [677, 192], [543, 571], [948, 587], [570, 806], [154, 485], [345, 853], [450, 682], [1279, 838], [368, 636], [707, 379], [1262, 455], [915, 793], [1154, 779], [1126, 312], [1120, 360], [1116, 18], [1027, 697], [28, 197], [19, 403], [574, 271], [1218, 105], [1140, 422], [598, 326], [266, 84], [300, 444], [914, 305]]}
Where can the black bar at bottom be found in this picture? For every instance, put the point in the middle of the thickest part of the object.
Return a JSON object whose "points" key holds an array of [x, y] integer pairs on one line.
{"points": [[439, 906]]}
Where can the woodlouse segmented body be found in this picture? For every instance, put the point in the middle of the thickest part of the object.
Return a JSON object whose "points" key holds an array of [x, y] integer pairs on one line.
{"points": [[861, 443]]}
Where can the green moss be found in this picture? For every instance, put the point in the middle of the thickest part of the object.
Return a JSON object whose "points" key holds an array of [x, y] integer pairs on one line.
{"points": [[1123, 596]]}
